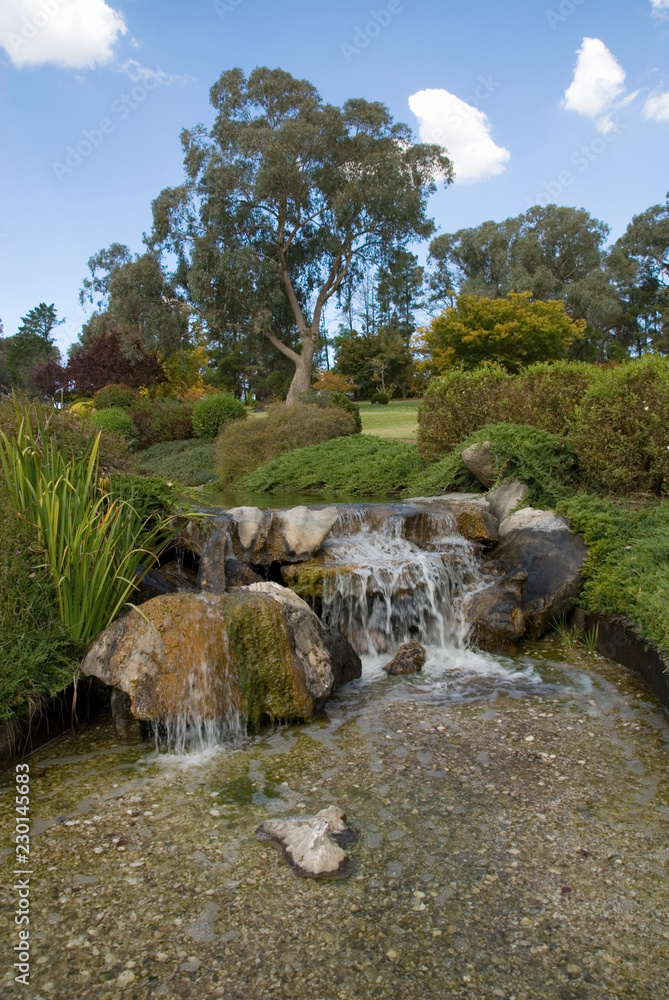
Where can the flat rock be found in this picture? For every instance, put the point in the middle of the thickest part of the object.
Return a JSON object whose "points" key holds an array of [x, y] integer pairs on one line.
{"points": [[312, 845]]}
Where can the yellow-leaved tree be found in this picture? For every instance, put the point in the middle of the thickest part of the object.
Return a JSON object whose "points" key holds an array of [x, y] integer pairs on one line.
{"points": [[514, 332]]}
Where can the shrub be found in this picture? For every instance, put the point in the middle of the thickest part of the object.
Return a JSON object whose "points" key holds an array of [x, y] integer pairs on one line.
{"points": [[544, 461], [379, 397], [621, 429], [117, 421], [546, 395], [351, 466], [118, 395], [212, 412], [543, 395], [188, 462], [458, 403], [627, 569], [82, 407], [159, 420], [246, 445], [339, 400]]}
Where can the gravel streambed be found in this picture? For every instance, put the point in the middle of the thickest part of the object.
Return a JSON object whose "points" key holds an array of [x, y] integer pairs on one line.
{"points": [[510, 847]]}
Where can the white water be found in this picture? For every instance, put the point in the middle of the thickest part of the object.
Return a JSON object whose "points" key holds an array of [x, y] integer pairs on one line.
{"points": [[397, 581]]}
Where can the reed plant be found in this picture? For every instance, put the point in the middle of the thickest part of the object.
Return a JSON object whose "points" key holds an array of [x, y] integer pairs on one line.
{"points": [[96, 546]]}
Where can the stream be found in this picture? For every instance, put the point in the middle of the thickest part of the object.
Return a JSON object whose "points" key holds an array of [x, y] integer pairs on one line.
{"points": [[511, 816]]}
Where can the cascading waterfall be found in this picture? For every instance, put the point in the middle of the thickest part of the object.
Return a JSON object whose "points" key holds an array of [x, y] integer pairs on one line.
{"points": [[407, 576], [387, 589]]}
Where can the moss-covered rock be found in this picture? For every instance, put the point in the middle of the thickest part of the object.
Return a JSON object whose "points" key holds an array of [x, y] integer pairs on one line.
{"points": [[258, 651]]}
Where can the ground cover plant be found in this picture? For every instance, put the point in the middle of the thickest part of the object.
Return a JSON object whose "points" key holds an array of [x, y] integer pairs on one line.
{"points": [[191, 462], [355, 466], [246, 445], [545, 462], [627, 570]]}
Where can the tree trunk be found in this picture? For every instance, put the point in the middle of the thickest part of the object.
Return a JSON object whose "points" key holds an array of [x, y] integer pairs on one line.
{"points": [[303, 367]]}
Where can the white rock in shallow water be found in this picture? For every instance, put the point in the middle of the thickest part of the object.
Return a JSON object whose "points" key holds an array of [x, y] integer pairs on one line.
{"points": [[310, 845]]}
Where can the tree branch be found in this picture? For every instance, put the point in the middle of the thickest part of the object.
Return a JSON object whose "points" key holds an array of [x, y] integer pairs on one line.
{"points": [[279, 344]]}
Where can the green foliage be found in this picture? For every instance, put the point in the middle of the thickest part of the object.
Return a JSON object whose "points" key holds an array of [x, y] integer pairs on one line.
{"points": [[514, 331], [339, 400], [95, 546], [456, 404], [352, 466], [379, 397], [543, 461], [189, 462], [621, 429], [160, 420], [211, 413], [117, 421], [627, 570], [246, 445], [37, 657], [114, 395], [546, 394]]}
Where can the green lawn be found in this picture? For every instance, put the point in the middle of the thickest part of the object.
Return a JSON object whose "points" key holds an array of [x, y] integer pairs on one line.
{"points": [[399, 419]]}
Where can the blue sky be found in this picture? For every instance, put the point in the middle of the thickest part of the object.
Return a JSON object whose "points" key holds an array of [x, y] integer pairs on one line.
{"points": [[564, 101]]}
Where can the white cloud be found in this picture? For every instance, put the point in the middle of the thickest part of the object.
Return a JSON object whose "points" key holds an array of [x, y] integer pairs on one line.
{"points": [[71, 33], [659, 7], [137, 72], [463, 131], [598, 84], [656, 108]]}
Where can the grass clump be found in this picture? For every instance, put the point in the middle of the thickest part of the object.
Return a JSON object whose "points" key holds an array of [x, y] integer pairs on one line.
{"points": [[246, 445], [95, 545], [189, 462], [37, 656], [211, 413], [627, 569], [351, 466], [545, 462]]}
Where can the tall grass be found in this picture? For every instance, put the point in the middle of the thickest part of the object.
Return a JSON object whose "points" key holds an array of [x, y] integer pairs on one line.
{"points": [[95, 547]]}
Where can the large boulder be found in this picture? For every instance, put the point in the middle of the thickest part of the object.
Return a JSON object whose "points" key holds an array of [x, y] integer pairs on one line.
{"points": [[540, 543], [257, 651], [263, 537]]}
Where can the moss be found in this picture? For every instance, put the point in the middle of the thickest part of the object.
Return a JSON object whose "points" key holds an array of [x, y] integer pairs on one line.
{"points": [[263, 660]]}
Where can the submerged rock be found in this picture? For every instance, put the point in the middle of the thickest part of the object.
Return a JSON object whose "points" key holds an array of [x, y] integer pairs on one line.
{"points": [[408, 659], [255, 652], [312, 846]]}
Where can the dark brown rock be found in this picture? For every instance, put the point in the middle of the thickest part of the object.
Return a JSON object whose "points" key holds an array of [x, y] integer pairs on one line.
{"points": [[495, 614], [408, 659]]}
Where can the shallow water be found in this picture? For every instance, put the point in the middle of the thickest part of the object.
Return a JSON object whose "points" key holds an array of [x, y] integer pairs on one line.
{"points": [[512, 819]]}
